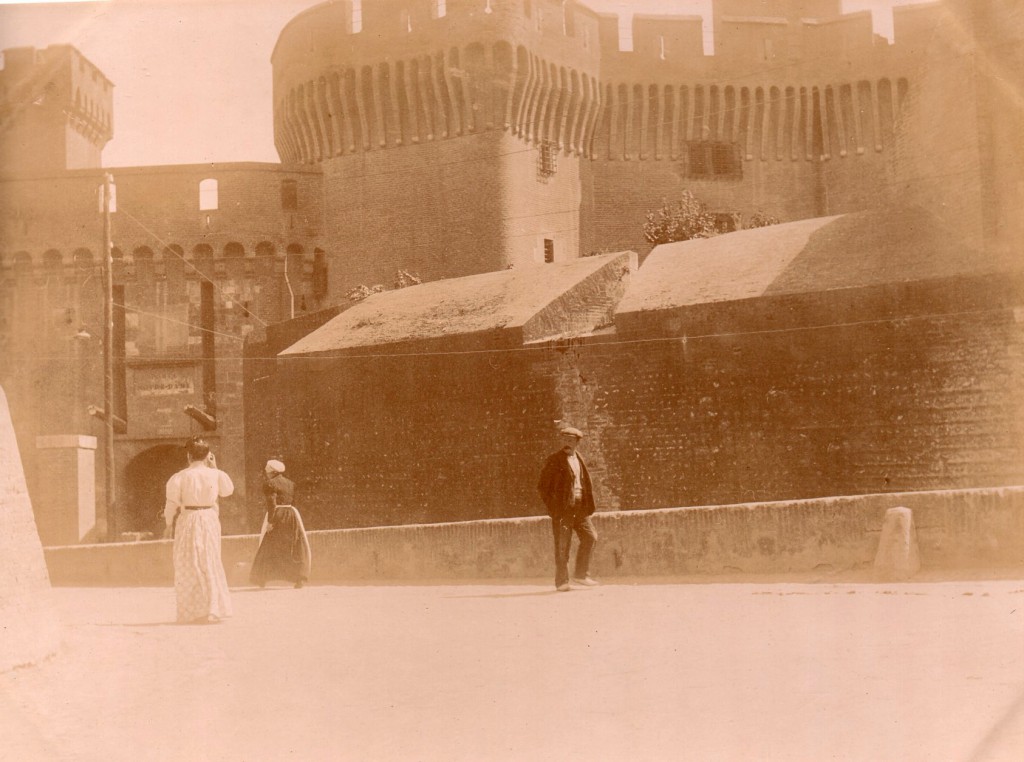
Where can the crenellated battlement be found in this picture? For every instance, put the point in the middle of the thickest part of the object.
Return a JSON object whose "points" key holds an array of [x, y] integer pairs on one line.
{"points": [[56, 109], [414, 71]]}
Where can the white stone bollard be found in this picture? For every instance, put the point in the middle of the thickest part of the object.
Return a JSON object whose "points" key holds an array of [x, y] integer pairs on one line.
{"points": [[897, 558]]}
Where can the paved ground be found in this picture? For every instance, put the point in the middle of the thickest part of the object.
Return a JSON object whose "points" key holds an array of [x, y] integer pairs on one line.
{"points": [[622, 672]]}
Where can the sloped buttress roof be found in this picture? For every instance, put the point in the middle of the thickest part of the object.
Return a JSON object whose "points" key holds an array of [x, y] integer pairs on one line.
{"points": [[809, 256], [476, 303]]}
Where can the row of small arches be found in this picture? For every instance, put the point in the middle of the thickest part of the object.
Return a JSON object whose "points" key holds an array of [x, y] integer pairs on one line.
{"points": [[84, 258]]}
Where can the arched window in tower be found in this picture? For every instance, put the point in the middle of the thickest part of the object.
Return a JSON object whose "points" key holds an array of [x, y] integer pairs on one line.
{"points": [[289, 195], [406, 21], [207, 194], [568, 20], [661, 47], [440, 9]]}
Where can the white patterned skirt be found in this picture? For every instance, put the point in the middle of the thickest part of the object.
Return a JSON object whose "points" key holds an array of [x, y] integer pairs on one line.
{"points": [[200, 586]]}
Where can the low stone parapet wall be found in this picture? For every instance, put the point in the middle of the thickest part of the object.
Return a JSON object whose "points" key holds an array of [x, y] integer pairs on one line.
{"points": [[956, 530]]}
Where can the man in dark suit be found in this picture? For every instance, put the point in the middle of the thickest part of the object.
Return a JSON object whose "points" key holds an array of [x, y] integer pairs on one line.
{"points": [[568, 495]]}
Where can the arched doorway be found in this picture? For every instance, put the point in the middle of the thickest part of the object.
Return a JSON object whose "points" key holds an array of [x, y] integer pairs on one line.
{"points": [[145, 478]]}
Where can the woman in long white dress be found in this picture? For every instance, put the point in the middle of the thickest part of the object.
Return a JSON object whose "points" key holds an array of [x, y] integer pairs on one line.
{"points": [[191, 512]]}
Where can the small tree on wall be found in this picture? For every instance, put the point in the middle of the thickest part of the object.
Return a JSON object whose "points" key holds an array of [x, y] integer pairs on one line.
{"points": [[761, 220], [686, 219], [403, 279], [689, 218]]}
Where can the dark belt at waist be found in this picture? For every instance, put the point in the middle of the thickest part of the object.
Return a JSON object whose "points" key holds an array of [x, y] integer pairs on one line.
{"points": [[196, 507]]}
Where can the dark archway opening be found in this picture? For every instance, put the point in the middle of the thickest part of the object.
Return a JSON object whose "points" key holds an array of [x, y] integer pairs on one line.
{"points": [[145, 479]]}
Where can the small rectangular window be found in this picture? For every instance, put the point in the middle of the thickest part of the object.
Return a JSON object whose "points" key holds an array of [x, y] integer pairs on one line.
{"points": [[547, 160], [549, 251], [440, 9], [713, 160], [355, 21], [208, 195]]}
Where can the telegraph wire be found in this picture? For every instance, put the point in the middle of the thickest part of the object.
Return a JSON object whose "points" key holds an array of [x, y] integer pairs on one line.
{"points": [[557, 343], [167, 247]]}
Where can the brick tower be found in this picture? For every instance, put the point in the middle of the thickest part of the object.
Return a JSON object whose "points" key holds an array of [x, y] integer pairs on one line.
{"points": [[451, 135], [56, 110]]}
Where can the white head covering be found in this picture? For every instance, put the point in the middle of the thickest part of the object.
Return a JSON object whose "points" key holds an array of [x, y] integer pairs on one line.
{"points": [[275, 466]]}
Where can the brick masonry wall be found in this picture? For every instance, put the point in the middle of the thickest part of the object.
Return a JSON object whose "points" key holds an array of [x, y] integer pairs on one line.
{"points": [[828, 538], [50, 286], [433, 210], [914, 403]]}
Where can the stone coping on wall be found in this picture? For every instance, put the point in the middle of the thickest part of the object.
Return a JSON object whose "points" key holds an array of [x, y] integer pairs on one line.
{"points": [[958, 531]]}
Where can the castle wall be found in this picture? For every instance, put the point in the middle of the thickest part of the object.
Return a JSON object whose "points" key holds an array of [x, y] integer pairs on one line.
{"points": [[169, 351], [927, 401], [432, 210], [811, 103]]}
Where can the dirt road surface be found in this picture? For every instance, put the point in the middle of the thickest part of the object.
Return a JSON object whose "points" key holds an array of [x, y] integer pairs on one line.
{"points": [[811, 672]]}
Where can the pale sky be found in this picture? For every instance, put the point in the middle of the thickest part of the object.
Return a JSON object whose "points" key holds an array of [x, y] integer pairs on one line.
{"points": [[192, 78]]}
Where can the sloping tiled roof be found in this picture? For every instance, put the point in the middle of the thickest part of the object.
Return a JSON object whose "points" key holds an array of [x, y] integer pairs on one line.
{"points": [[809, 256], [497, 300]]}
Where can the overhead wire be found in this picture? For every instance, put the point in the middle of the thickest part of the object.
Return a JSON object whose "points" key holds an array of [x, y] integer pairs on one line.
{"points": [[580, 341]]}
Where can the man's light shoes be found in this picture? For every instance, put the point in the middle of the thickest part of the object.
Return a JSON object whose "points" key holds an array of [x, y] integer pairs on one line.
{"points": [[587, 581]]}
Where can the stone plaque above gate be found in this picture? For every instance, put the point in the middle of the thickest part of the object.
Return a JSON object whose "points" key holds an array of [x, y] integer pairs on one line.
{"points": [[157, 395]]}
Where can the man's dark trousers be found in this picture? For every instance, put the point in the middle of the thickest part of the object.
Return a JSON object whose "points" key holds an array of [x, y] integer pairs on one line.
{"points": [[562, 528]]}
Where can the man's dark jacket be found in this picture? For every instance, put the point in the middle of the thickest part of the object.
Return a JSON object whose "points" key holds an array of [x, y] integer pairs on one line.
{"points": [[555, 486]]}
